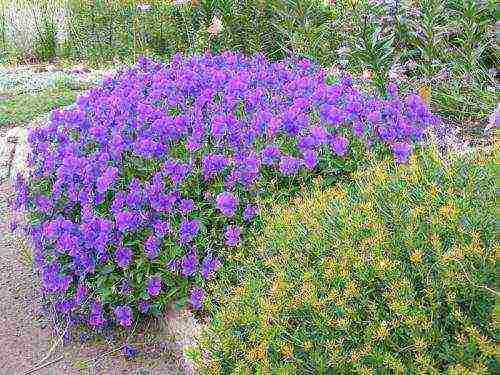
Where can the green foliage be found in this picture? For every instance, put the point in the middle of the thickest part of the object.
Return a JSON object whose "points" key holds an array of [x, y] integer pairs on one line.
{"points": [[303, 27], [393, 273], [452, 46], [3, 38], [445, 47], [464, 97], [45, 47]]}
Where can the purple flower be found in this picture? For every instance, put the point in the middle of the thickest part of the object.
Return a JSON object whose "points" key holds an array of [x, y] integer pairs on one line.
{"points": [[358, 129], [130, 352], [209, 266], [125, 287], [84, 337], [213, 164], [144, 306], [96, 314], [126, 221], [227, 203], [154, 286], [147, 148], [81, 293], [186, 206], [250, 212], [193, 144], [67, 243], [402, 151], [270, 155], [173, 265], [123, 256], [189, 263], [319, 134], [310, 159], [162, 228], [107, 179], [188, 230], [392, 89], [147, 144], [197, 297], [118, 203], [232, 236], [135, 195], [13, 225], [123, 315], [66, 306], [339, 145], [290, 165], [152, 247], [306, 143], [44, 204], [333, 114]]}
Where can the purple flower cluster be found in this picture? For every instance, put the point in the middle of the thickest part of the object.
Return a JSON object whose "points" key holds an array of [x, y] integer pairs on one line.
{"points": [[154, 286], [227, 203], [124, 315], [131, 179]]}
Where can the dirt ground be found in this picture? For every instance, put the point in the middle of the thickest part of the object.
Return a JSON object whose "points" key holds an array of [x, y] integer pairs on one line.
{"points": [[26, 338]]}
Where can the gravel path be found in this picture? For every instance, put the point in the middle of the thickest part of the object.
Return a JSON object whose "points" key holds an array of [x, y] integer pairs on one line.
{"points": [[25, 336]]}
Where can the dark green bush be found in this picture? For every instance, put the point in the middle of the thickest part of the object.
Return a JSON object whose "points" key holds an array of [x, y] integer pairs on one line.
{"points": [[45, 47], [394, 273]]}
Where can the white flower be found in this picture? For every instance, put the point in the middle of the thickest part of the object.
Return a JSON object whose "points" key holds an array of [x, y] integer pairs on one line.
{"points": [[367, 75], [216, 27]]}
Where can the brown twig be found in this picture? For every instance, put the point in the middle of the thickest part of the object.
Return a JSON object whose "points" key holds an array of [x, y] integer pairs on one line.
{"points": [[476, 285], [55, 345], [95, 359], [39, 367]]}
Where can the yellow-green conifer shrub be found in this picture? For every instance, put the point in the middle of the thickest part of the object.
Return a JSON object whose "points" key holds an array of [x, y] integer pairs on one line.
{"points": [[392, 274]]}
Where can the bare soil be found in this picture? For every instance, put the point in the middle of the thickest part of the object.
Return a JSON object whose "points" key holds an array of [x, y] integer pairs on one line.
{"points": [[26, 338]]}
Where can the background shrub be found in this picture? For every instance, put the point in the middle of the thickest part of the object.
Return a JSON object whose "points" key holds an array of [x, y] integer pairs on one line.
{"points": [[392, 273], [46, 46]]}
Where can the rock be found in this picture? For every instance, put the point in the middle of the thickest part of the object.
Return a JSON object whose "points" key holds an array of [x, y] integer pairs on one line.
{"points": [[7, 150], [19, 165], [51, 68], [18, 133], [184, 329], [14, 150], [78, 69]]}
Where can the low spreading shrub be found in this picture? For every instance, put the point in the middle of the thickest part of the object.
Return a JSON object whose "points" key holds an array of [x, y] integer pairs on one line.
{"points": [[137, 193], [393, 273]]}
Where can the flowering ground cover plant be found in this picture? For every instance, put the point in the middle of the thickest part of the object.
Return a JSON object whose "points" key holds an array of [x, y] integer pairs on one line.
{"points": [[393, 273], [138, 192]]}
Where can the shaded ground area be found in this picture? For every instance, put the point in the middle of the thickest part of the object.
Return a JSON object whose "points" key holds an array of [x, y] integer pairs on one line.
{"points": [[26, 338]]}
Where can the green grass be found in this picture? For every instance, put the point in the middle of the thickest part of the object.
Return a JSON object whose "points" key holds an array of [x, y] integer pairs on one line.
{"points": [[21, 108]]}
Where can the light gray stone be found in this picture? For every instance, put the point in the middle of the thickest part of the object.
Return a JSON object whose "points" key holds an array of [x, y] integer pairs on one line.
{"points": [[184, 329], [14, 150]]}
